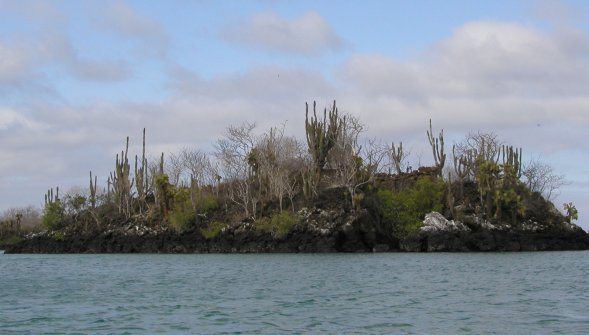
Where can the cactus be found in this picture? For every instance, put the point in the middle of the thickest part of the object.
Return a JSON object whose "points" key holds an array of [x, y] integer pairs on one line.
{"points": [[321, 135], [121, 182], [437, 145], [49, 198], [93, 190], [141, 180], [162, 164], [463, 164], [512, 159], [397, 156]]}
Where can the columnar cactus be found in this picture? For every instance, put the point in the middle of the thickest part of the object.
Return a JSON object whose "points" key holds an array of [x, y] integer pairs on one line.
{"points": [[437, 144], [321, 135], [397, 155], [49, 198], [141, 180], [122, 183], [512, 159], [93, 190]]}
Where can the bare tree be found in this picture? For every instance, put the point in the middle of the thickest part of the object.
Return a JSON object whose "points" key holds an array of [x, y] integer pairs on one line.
{"points": [[474, 149], [348, 157], [540, 177], [197, 165], [279, 160], [235, 154], [174, 168]]}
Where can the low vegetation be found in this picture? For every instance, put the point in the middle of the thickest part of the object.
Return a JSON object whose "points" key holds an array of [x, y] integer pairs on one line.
{"points": [[278, 225], [212, 229]]}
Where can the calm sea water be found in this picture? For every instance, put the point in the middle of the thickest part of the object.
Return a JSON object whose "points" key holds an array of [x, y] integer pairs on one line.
{"points": [[460, 293]]}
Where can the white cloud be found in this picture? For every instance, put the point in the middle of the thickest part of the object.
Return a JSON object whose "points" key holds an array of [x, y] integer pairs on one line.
{"points": [[487, 74], [124, 21], [309, 34]]}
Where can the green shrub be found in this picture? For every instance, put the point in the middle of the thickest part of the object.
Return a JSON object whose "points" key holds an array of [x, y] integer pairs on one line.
{"points": [[181, 213], [279, 225], [213, 229], [404, 212], [59, 236], [53, 215], [207, 204], [164, 193]]}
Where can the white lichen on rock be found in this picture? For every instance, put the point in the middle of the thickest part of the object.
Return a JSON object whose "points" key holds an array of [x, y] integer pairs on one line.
{"points": [[436, 222]]}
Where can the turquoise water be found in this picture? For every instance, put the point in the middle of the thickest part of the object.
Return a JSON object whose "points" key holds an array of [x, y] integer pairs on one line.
{"points": [[461, 293]]}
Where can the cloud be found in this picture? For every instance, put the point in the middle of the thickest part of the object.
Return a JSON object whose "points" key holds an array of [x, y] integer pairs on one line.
{"points": [[124, 21], [15, 60], [308, 35], [259, 84], [489, 75], [102, 71], [23, 64], [557, 12]]}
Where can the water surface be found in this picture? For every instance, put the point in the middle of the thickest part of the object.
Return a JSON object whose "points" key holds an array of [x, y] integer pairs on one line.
{"points": [[395, 293]]}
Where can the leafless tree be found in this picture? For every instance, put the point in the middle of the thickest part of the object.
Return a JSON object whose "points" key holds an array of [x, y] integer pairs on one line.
{"points": [[474, 149], [279, 160], [197, 165], [234, 153], [540, 177], [353, 165], [486, 145], [174, 167]]}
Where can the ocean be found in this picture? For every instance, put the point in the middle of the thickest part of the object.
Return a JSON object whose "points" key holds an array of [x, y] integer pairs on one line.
{"points": [[388, 293]]}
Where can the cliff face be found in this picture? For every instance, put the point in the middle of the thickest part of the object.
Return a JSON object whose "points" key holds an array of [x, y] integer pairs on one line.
{"points": [[319, 230]]}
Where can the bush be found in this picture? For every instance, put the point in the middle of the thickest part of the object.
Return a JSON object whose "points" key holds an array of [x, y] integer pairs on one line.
{"points": [[279, 225], [59, 236], [213, 229], [53, 215], [207, 204], [404, 212], [181, 213]]}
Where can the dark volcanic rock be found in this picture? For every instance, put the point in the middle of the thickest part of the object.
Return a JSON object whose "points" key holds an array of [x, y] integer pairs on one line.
{"points": [[439, 234], [320, 230]]}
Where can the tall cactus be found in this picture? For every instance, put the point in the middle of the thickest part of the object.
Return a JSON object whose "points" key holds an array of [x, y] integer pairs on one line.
{"points": [[321, 135], [50, 198], [463, 164], [512, 159], [397, 155], [122, 183], [437, 144], [93, 190], [141, 180]]}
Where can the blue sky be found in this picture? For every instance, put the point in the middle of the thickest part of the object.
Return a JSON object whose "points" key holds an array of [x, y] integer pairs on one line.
{"points": [[77, 77]]}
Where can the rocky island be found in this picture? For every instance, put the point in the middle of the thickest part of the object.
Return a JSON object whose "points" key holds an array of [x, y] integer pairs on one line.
{"points": [[269, 193]]}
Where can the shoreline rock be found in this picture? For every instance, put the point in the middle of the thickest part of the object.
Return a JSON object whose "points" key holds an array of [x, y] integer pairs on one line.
{"points": [[319, 231]]}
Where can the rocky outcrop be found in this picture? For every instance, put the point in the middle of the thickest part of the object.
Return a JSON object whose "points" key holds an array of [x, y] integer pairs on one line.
{"points": [[440, 234], [319, 230]]}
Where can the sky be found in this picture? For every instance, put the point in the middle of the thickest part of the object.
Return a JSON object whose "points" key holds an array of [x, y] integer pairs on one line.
{"points": [[78, 77]]}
